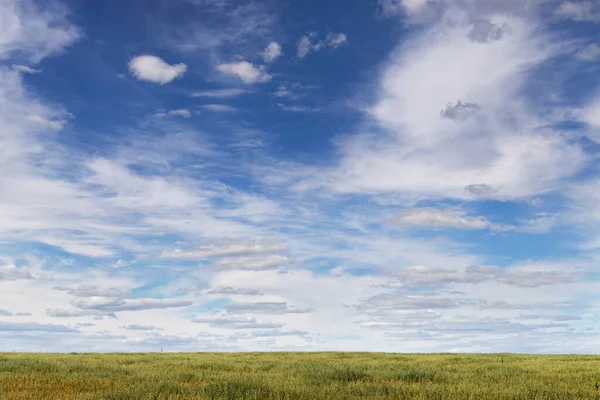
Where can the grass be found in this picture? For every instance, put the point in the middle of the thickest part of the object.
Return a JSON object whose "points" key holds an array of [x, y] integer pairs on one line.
{"points": [[297, 376]]}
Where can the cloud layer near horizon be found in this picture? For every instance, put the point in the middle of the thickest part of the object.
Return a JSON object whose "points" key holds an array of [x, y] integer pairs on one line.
{"points": [[188, 202]]}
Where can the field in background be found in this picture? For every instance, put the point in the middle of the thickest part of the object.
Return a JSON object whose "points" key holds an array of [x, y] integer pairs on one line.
{"points": [[297, 376]]}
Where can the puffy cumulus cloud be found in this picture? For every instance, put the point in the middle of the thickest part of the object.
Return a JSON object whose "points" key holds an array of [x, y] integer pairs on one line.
{"points": [[5, 313], [307, 43], [272, 52], [181, 112], [246, 71], [30, 33], [154, 69], [12, 273], [429, 217]]}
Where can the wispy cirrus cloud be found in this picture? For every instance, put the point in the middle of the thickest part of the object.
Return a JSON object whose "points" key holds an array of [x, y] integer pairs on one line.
{"points": [[29, 34], [306, 44], [220, 93], [180, 112], [429, 217], [228, 248]]}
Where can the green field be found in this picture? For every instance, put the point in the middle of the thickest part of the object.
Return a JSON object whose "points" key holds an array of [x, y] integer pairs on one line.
{"points": [[297, 376]]}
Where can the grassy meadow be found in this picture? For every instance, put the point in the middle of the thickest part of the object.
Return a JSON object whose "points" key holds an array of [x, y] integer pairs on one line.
{"points": [[297, 376]]}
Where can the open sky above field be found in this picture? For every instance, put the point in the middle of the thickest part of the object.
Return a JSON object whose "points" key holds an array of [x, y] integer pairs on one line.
{"points": [[379, 175]]}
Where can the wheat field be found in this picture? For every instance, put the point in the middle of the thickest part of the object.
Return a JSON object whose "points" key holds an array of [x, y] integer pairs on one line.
{"points": [[298, 376]]}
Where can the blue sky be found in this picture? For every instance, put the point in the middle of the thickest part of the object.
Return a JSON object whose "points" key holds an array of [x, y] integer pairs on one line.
{"points": [[380, 175]]}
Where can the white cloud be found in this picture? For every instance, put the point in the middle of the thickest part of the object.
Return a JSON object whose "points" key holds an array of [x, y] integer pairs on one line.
{"points": [[74, 313], [223, 24], [541, 223], [429, 217], [30, 33], [88, 290], [283, 91], [410, 8], [525, 276], [351, 270], [438, 157], [591, 52], [231, 322], [272, 52], [12, 273], [118, 304], [154, 69], [591, 115], [218, 107], [227, 249], [306, 44], [25, 69], [246, 71], [273, 308], [54, 125], [584, 10], [34, 327], [219, 93], [335, 40], [182, 112], [135, 327], [228, 290], [247, 263], [295, 108]]}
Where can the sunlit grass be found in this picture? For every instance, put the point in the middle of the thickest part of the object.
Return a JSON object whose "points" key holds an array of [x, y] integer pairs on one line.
{"points": [[297, 376]]}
